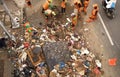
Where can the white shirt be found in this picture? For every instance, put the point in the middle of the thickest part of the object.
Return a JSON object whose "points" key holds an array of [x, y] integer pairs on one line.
{"points": [[109, 3]]}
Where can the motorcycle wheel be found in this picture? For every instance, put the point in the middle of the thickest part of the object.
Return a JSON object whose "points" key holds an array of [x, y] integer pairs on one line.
{"points": [[111, 16]]}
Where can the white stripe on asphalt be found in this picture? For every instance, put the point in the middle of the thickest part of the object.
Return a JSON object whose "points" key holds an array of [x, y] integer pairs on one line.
{"points": [[109, 37]]}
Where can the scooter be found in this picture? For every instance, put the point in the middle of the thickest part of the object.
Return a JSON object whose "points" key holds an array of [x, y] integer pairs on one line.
{"points": [[109, 12]]}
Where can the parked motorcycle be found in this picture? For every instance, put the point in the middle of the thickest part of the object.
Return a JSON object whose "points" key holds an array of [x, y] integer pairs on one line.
{"points": [[109, 12]]}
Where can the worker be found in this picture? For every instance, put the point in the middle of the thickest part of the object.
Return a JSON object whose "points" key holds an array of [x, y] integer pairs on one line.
{"points": [[86, 2], [49, 13], [94, 12], [76, 8], [63, 6], [79, 9], [74, 20], [46, 5]]}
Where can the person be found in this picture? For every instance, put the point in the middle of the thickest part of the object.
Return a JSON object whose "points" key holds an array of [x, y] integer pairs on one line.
{"points": [[63, 6], [94, 12], [74, 20], [86, 2], [79, 9], [46, 5], [110, 4]]}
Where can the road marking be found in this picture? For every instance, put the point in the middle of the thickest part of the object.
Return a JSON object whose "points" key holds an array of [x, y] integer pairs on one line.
{"points": [[109, 37]]}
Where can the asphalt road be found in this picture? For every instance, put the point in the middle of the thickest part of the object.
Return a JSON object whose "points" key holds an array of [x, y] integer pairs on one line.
{"points": [[113, 27]]}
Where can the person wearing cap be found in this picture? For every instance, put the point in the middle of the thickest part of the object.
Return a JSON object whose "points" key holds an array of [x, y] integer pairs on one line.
{"points": [[94, 12], [46, 5], [63, 6], [86, 2], [79, 8], [76, 8]]}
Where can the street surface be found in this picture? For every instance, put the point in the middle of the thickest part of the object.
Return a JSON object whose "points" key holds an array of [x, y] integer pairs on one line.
{"points": [[111, 51]]}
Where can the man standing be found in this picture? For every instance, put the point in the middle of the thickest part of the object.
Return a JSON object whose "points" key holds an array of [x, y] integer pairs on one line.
{"points": [[63, 6], [86, 2]]}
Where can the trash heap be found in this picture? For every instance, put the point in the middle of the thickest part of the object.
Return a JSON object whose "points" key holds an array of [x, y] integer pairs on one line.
{"points": [[53, 50]]}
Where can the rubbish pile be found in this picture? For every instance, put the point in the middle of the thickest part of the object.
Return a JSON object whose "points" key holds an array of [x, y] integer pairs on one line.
{"points": [[53, 51]]}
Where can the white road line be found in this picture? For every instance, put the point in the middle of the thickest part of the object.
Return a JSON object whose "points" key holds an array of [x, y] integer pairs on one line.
{"points": [[109, 37]]}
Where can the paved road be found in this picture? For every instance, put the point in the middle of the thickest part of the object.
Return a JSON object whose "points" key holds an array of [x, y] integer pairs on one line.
{"points": [[113, 27]]}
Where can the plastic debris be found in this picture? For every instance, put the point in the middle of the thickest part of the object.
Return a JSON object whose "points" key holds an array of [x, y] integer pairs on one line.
{"points": [[73, 57], [86, 64], [98, 63], [112, 61], [84, 51]]}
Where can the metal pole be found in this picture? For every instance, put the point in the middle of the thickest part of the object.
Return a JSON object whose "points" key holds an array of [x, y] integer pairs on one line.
{"points": [[8, 12], [9, 35]]}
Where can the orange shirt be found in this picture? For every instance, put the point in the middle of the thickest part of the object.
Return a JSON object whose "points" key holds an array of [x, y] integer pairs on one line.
{"points": [[63, 4], [86, 3], [46, 5], [94, 12]]}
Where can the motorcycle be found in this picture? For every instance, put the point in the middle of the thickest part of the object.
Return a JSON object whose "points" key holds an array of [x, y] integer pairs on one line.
{"points": [[109, 12]]}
